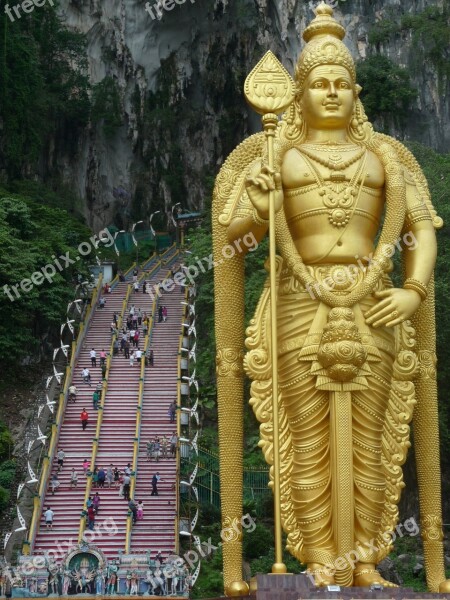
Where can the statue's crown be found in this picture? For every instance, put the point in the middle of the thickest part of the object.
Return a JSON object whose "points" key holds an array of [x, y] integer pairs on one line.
{"points": [[324, 45]]}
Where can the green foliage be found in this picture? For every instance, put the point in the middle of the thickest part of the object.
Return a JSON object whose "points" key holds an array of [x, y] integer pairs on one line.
{"points": [[43, 86], [210, 515], [64, 198], [7, 473], [387, 92], [31, 234], [412, 546], [6, 443], [4, 498], [431, 31], [107, 105], [7, 466], [257, 542], [430, 36], [160, 125], [210, 581], [209, 437], [201, 247], [264, 563], [382, 31]]}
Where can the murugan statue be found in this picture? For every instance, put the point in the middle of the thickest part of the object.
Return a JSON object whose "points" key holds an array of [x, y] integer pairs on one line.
{"points": [[356, 355]]}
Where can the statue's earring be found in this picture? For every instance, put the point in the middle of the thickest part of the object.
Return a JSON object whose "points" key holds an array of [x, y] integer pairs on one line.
{"points": [[295, 123], [358, 119]]}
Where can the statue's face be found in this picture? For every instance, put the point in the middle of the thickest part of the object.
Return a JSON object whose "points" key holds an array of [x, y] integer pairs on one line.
{"points": [[328, 98]]}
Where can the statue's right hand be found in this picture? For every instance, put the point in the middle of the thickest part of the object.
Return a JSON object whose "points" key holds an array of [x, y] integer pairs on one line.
{"points": [[259, 183]]}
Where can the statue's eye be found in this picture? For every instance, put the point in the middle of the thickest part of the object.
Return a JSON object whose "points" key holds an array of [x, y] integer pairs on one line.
{"points": [[318, 84], [344, 85]]}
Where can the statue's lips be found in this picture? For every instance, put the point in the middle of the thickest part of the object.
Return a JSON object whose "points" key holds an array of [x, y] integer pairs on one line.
{"points": [[332, 106]]}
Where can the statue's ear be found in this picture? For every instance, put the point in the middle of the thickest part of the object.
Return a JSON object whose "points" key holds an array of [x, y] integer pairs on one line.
{"points": [[358, 89]]}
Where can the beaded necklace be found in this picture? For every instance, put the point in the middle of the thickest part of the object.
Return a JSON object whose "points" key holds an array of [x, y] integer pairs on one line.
{"points": [[338, 194], [333, 162]]}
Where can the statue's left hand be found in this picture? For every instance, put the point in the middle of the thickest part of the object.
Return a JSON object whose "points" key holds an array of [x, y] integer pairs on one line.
{"points": [[395, 305]]}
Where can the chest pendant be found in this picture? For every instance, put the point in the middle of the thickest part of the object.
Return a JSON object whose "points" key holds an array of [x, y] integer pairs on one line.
{"points": [[338, 193], [338, 196]]}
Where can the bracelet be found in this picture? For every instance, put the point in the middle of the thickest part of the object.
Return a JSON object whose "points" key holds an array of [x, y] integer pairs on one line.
{"points": [[417, 286], [257, 219]]}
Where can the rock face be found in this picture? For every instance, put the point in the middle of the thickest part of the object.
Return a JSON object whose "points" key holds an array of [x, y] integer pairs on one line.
{"points": [[180, 79], [389, 571]]}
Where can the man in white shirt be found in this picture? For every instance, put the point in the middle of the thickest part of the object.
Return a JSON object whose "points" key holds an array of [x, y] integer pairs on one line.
{"points": [[48, 515], [138, 354], [93, 356], [72, 393], [61, 457], [74, 479], [126, 486], [86, 375], [173, 444]]}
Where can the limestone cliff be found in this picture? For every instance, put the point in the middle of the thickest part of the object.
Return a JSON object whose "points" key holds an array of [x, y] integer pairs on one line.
{"points": [[180, 80]]}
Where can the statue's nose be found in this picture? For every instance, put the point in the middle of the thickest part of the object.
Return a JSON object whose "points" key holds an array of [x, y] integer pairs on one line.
{"points": [[332, 89]]}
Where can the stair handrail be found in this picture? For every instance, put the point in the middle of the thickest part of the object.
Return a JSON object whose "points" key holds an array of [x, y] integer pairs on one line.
{"points": [[178, 453], [145, 264], [167, 250], [95, 440], [137, 434], [28, 544]]}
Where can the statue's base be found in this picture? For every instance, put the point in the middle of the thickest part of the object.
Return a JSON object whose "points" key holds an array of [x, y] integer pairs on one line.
{"points": [[298, 587]]}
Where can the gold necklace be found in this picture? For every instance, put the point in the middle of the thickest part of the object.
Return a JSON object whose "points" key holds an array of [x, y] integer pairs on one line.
{"points": [[334, 162], [331, 146], [339, 193]]}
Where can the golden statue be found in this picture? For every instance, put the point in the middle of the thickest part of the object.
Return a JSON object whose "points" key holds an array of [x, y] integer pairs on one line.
{"points": [[354, 356]]}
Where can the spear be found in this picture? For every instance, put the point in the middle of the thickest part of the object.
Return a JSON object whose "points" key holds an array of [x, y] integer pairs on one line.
{"points": [[269, 90]]}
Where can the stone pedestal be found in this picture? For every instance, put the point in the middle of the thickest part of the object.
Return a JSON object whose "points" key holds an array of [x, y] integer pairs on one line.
{"points": [[299, 587]]}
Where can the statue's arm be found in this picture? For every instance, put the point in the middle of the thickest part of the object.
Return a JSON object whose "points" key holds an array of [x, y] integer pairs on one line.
{"points": [[418, 229], [398, 304], [252, 212], [240, 226], [420, 261]]}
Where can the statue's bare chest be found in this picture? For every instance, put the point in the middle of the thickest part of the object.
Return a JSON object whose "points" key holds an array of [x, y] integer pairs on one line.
{"points": [[332, 185]]}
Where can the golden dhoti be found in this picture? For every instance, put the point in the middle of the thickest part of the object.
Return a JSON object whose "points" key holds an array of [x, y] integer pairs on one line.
{"points": [[305, 400]]}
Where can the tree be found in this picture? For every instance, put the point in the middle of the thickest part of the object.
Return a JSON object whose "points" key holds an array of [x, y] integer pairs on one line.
{"points": [[33, 236], [387, 93]]}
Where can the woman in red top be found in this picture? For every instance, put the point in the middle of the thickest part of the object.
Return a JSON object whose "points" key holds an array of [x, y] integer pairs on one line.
{"points": [[84, 418], [91, 517]]}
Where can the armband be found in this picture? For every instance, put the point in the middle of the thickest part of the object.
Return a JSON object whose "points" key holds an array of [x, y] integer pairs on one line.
{"points": [[257, 219], [417, 286]]}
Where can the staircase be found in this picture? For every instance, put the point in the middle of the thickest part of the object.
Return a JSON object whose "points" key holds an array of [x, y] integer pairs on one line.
{"points": [[118, 430], [115, 445], [67, 503], [156, 531]]}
